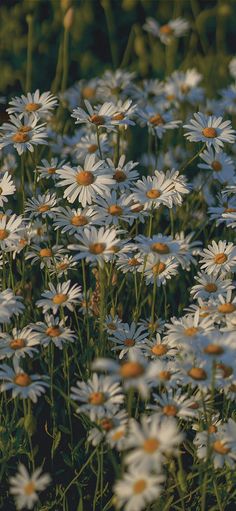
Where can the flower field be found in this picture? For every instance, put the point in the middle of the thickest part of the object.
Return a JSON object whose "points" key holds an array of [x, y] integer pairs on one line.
{"points": [[118, 255]]}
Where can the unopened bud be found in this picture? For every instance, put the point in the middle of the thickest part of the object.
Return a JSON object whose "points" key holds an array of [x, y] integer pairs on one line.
{"points": [[114, 279], [68, 19]]}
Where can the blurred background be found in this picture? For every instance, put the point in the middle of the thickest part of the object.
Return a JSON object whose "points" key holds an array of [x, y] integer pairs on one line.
{"points": [[108, 34]]}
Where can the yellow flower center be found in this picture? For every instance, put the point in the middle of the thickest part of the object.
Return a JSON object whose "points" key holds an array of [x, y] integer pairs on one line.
{"points": [[220, 447], [131, 370], [191, 331], [159, 350], [97, 248], [160, 248], [20, 137], [119, 176], [118, 117], [62, 266], [216, 166], [33, 107], [129, 342], [139, 486], [43, 208], [118, 435], [29, 488], [53, 331], [197, 373], [106, 424], [3, 234], [212, 429], [210, 287], [226, 370], [88, 92], [98, 120], [133, 262], [85, 178], [151, 445], [165, 375], [166, 30], [184, 88], [45, 252], [158, 268], [92, 148], [153, 193], [97, 398], [226, 308], [59, 298], [213, 349], [209, 132], [17, 344], [170, 410], [156, 120], [230, 210], [112, 326], [52, 170], [220, 258], [22, 379], [115, 210], [79, 220]]}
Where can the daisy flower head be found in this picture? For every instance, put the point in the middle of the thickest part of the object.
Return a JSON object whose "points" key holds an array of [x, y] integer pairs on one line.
{"points": [[211, 130], [184, 332], [85, 183], [129, 262], [62, 265], [10, 305], [96, 245], [114, 84], [158, 270], [63, 295], [166, 33], [173, 403], [23, 135], [221, 165], [7, 187], [98, 397], [97, 117], [157, 120], [151, 440], [53, 330], [24, 486], [128, 339], [209, 287], [154, 191], [21, 383], [10, 231], [35, 104], [112, 428], [157, 349], [218, 258], [183, 87], [137, 489], [222, 441], [45, 255], [48, 169], [224, 211], [123, 114], [42, 206], [19, 343], [74, 220], [197, 373], [112, 209], [88, 144], [123, 174]]}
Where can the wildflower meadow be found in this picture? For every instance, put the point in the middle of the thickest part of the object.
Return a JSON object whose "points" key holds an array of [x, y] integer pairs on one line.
{"points": [[118, 255]]}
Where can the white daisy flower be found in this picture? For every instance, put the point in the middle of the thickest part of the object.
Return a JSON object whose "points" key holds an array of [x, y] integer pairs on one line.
{"points": [[137, 489], [85, 183], [210, 286], [7, 187], [62, 265], [154, 191], [96, 245], [185, 331], [73, 220], [156, 348], [47, 256], [158, 270], [23, 136], [114, 84], [112, 428], [48, 169], [183, 87], [99, 396], [88, 144], [123, 174], [10, 231], [53, 330], [128, 339], [218, 258], [174, 404], [61, 296], [220, 163], [210, 130], [112, 209], [224, 211], [222, 442], [124, 110], [22, 384], [24, 486], [150, 440], [42, 206], [9, 305], [36, 104], [166, 33], [157, 121], [97, 117], [18, 344], [128, 262]]}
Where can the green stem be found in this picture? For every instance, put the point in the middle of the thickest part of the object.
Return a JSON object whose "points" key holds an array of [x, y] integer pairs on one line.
{"points": [[28, 83]]}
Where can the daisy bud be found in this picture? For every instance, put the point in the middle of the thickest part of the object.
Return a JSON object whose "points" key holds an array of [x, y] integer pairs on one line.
{"points": [[120, 310], [114, 279], [68, 19]]}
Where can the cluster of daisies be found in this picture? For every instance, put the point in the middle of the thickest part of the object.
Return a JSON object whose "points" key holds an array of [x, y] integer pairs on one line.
{"points": [[95, 248]]}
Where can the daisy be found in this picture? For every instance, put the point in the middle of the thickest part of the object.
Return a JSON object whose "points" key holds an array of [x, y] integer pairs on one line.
{"points": [[185, 331], [112, 428], [158, 270], [85, 183], [163, 247], [157, 121], [174, 404], [114, 84], [22, 384], [218, 258], [88, 144], [10, 231], [53, 330], [24, 486], [222, 442], [123, 174], [23, 136], [7, 187], [36, 104], [73, 220], [128, 339], [97, 117], [19, 343], [124, 110], [183, 87], [210, 130], [48, 169], [221, 165], [156, 348], [112, 209], [210, 286], [60, 296], [47, 256], [99, 396], [155, 325], [166, 33], [224, 211], [42, 206], [154, 191], [137, 489], [150, 440], [197, 373], [163, 372], [96, 245], [113, 323], [9, 305], [226, 306], [62, 265], [128, 262]]}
